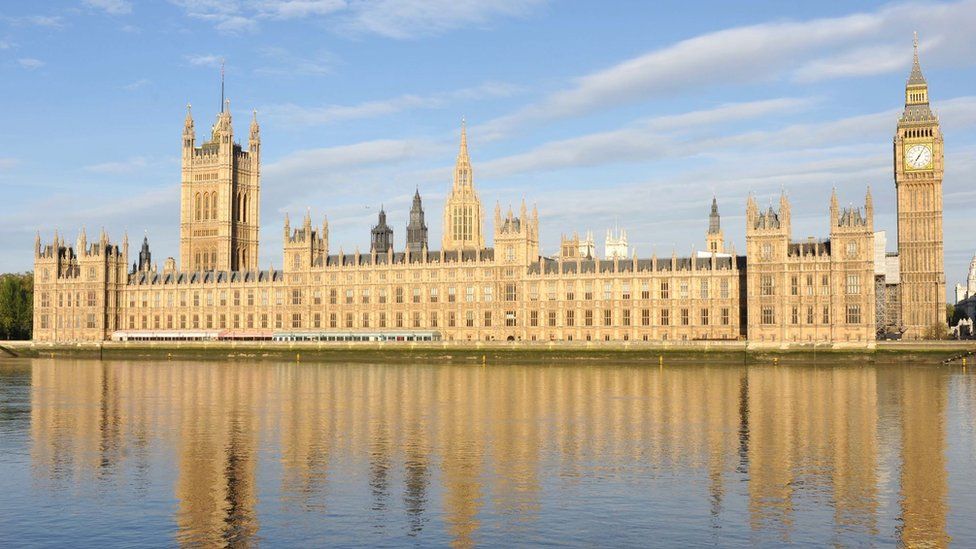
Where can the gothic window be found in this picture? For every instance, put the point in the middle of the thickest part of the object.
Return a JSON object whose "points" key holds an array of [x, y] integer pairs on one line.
{"points": [[766, 285], [206, 206], [853, 314], [767, 251], [213, 205], [768, 315], [213, 259], [196, 203], [853, 284]]}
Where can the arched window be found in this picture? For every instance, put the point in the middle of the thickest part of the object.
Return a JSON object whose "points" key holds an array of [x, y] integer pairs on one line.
{"points": [[244, 212], [213, 259], [206, 205], [213, 206], [197, 207]]}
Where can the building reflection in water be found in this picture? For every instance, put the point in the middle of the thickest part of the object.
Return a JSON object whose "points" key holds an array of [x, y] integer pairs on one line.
{"points": [[468, 452]]}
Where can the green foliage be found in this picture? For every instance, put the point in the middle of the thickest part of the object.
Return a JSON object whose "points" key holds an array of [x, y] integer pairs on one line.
{"points": [[954, 315], [16, 305]]}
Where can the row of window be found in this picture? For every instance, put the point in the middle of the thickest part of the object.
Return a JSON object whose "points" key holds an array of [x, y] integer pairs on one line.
{"points": [[433, 319], [796, 316], [767, 285]]}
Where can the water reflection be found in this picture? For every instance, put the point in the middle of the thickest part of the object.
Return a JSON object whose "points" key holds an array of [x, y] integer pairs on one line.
{"points": [[470, 455]]}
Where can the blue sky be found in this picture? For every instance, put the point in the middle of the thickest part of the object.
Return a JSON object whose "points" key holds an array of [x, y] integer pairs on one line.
{"points": [[624, 112]]}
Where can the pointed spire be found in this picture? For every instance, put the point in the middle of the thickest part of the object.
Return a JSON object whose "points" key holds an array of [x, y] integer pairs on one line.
{"points": [[222, 100], [916, 78], [464, 137], [714, 221]]}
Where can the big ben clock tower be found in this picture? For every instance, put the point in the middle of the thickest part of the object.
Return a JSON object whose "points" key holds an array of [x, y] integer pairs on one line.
{"points": [[918, 184]]}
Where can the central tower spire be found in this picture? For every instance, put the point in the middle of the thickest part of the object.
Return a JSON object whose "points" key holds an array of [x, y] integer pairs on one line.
{"points": [[463, 215]]}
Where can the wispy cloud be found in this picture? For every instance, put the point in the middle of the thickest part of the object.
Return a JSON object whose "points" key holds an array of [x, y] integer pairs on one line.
{"points": [[295, 9], [311, 162], [30, 63], [112, 7], [644, 140], [6, 45], [50, 21], [411, 18], [204, 60], [398, 19], [119, 167], [824, 48], [7, 163], [295, 114], [138, 84], [281, 62]]}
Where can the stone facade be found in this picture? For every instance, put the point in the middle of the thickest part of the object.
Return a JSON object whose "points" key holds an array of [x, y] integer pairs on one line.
{"points": [[781, 292], [813, 290]]}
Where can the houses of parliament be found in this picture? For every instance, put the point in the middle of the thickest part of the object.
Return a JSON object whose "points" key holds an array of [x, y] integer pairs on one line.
{"points": [[837, 290]]}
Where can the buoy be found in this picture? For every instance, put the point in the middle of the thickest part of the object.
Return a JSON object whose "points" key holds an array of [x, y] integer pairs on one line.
{"points": [[298, 357], [660, 360], [484, 360]]}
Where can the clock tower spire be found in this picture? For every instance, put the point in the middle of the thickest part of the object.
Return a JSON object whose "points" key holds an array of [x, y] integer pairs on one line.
{"points": [[918, 184]]}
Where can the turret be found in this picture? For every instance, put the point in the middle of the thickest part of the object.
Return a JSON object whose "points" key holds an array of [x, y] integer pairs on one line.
{"points": [[145, 257], [254, 141], [417, 226], [714, 238], [189, 134], [381, 236]]}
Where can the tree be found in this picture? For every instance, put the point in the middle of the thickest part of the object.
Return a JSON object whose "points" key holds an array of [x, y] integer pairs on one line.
{"points": [[937, 331], [16, 305]]}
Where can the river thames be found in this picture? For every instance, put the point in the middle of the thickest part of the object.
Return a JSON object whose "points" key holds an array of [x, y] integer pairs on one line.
{"points": [[142, 453]]}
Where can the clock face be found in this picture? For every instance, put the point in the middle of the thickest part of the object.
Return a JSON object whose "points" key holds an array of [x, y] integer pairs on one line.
{"points": [[918, 156]]}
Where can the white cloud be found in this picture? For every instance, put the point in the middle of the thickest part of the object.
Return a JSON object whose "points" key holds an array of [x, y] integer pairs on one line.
{"points": [[827, 48], [410, 18], [284, 63], [7, 163], [50, 21], [204, 60], [4, 45], [648, 139], [866, 61], [30, 63], [113, 7], [314, 162], [119, 167], [295, 114], [391, 18], [293, 9], [138, 84]]}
